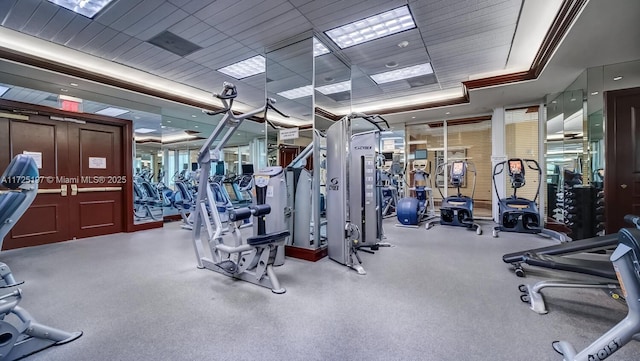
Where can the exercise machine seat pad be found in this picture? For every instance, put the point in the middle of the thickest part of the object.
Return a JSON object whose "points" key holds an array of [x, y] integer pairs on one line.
{"points": [[583, 245], [590, 267], [21, 170], [268, 238]]}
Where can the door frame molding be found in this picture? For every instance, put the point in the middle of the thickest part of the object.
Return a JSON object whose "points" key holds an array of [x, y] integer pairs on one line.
{"points": [[127, 151]]}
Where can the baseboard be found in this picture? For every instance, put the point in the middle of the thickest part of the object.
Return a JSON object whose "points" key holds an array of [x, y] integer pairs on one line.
{"points": [[306, 254], [172, 218]]}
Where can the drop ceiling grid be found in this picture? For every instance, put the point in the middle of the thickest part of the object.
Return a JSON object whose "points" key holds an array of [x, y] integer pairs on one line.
{"points": [[155, 23], [76, 25], [108, 50], [49, 29], [137, 15], [286, 26], [343, 12], [469, 24], [104, 36], [41, 16], [19, 14]]}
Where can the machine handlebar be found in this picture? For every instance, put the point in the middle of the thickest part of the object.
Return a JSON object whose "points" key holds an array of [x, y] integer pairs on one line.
{"points": [[270, 105], [228, 91]]}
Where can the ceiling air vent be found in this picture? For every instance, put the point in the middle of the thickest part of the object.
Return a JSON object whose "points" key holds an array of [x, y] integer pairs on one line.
{"points": [[173, 43]]}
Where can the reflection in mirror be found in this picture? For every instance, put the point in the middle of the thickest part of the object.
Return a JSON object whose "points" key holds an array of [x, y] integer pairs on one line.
{"points": [[520, 125], [148, 186], [289, 72], [554, 149], [421, 137], [470, 140], [184, 132]]}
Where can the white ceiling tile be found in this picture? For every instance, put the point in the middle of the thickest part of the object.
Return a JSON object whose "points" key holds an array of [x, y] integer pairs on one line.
{"points": [[138, 15], [99, 40], [19, 14], [57, 23], [5, 10], [76, 25], [83, 37], [116, 11], [123, 48], [41, 17]]}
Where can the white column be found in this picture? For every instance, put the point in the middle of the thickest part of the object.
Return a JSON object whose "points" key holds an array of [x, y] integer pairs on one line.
{"points": [[497, 155]]}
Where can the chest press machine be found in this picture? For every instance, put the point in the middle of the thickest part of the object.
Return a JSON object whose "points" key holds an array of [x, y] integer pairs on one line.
{"points": [[251, 260]]}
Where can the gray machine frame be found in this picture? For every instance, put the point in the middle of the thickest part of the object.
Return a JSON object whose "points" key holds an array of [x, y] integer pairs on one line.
{"points": [[353, 198], [626, 261], [244, 261]]}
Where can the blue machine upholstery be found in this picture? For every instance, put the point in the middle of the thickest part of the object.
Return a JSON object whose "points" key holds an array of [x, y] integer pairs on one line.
{"points": [[21, 176], [22, 170]]}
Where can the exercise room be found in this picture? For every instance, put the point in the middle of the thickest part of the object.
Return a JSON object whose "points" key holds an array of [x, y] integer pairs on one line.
{"points": [[319, 180]]}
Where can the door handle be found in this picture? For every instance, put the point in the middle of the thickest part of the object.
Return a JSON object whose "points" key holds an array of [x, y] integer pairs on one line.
{"points": [[99, 189], [62, 191], [623, 186]]}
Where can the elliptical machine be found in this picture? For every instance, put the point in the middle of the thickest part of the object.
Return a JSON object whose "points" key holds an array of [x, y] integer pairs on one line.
{"points": [[518, 214], [414, 210], [458, 210]]}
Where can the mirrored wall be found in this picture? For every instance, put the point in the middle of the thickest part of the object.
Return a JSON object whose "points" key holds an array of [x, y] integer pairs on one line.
{"points": [[575, 147]]}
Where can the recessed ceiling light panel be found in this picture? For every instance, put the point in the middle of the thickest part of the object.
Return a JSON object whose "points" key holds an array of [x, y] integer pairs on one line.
{"points": [[404, 73], [301, 92], [373, 27], [245, 68], [88, 8], [319, 48], [3, 89], [112, 112], [335, 88]]}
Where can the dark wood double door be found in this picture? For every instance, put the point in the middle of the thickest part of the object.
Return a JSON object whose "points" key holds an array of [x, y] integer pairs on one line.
{"points": [[82, 180]]}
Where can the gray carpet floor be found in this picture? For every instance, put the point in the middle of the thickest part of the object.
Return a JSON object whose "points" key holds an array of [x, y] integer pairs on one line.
{"points": [[439, 294]]}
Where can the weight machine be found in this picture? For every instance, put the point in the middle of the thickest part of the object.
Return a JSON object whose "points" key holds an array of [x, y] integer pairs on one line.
{"points": [[253, 260], [354, 218]]}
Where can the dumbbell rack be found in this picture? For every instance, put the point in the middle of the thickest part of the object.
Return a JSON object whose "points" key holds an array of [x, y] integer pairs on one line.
{"points": [[581, 210]]}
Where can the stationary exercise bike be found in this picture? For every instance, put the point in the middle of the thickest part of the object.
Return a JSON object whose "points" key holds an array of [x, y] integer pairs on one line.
{"points": [[414, 210], [518, 214], [458, 210], [20, 334]]}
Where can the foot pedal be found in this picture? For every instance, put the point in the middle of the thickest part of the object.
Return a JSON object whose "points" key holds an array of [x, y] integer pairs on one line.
{"points": [[228, 266]]}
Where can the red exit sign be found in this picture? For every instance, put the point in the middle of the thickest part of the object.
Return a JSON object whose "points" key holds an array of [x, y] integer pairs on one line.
{"points": [[70, 104]]}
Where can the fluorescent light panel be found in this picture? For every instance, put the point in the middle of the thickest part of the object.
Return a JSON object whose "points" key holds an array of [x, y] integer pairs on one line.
{"points": [[245, 68], [404, 73], [112, 112], [307, 90], [301, 92], [319, 48], [88, 8], [335, 88], [373, 27], [3, 89]]}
